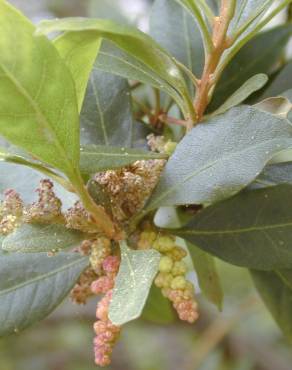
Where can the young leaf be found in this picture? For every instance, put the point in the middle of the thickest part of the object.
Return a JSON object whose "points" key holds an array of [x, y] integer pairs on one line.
{"points": [[218, 158], [252, 59], [96, 158], [133, 282], [208, 276], [175, 29], [250, 86], [279, 106], [79, 53], [106, 116], [134, 42], [275, 288], [258, 236], [42, 238], [38, 108], [37, 284]]}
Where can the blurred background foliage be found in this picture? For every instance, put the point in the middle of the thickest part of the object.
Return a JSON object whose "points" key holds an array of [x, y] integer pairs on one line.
{"points": [[242, 337]]}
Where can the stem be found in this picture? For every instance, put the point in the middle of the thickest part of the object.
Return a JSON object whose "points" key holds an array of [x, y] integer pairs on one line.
{"points": [[243, 41], [98, 214], [157, 102], [208, 11], [220, 44], [171, 120]]}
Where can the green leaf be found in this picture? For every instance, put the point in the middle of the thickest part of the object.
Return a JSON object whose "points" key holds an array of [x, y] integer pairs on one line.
{"points": [[38, 107], [253, 229], [218, 158], [175, 29], [134, 42], [275, 288], [208, 276], [79, 53], [30, 238], [32, 286], [106, 116], [281, 82], [96, 158], [252, 59], [158, 309], [132, 284], [250, 86]]}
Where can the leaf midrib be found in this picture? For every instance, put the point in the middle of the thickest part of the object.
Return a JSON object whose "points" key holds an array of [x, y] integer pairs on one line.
{"points": [[235, 231], [42, 277]]}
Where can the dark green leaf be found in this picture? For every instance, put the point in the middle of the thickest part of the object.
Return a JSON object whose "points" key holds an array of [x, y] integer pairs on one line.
{"points": [[32, 286], [157, 308], [96, 158], [132, 284], [134, 42], [218, 158], [38, 106], [106, 116], [42, 238], [280, 83], [275, 288], [79, 53], [208, 276], [252, 59], [176, 30], [253, 229]]}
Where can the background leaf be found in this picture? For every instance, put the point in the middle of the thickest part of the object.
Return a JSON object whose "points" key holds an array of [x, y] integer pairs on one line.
{"points": [[220, 157], [275, 288], [208, 276], [176, 30], [38, 108], [42, 238], [96, 158], [281, 82], [274, 174], [253, 229], [32, 286], [132, 285], [106, 116]]}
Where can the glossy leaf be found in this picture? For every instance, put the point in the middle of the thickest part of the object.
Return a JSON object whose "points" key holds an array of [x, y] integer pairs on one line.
{"points": [[132, 284], [208, 276], [275, 288], [96, 158], [38, 111], [252, 59], [220, 157], [106, 116], [176, 30], [250, 86], [79, 53], [253, 229], [134, 42], [32, 286], [31, 238]]}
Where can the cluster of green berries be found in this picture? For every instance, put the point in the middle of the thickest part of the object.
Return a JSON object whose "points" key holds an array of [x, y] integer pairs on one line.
{"points": [[171, 278]]}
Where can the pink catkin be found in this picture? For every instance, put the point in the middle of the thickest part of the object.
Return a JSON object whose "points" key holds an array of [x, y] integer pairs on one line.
{"points": [[106, 333]]}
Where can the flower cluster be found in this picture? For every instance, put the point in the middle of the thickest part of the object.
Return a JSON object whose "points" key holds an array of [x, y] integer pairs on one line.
{"points": [[128, 188], [172, 274], [160, 144], [11, 210], [106, 333]]}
